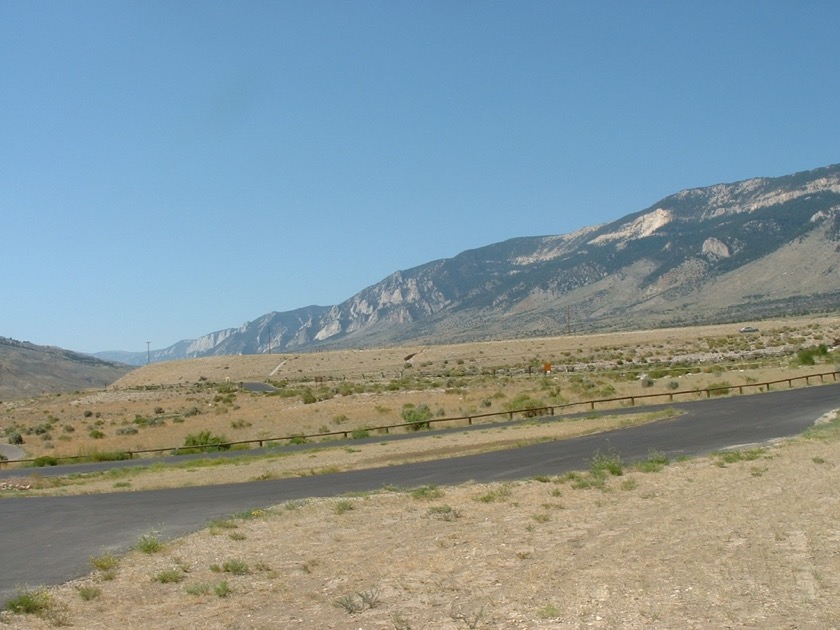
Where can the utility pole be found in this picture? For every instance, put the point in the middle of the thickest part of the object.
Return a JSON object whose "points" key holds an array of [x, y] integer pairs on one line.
{"points": [[148, 352]]}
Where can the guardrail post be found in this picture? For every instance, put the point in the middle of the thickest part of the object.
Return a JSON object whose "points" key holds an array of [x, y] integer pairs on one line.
{"points": [[469, 420]]}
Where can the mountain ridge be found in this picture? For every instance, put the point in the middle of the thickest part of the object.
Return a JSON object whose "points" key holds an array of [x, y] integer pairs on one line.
{"points": [[701, 255], [27, 369]]}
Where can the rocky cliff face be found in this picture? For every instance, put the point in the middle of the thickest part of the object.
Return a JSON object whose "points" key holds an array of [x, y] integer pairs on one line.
{"points": [[760, 247]]}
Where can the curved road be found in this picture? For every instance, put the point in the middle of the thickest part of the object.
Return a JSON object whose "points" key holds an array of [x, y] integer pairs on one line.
{"points": [[49, 540]]}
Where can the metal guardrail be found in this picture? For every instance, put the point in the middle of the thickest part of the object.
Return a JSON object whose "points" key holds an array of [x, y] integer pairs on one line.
{"points": [[527, 413]]}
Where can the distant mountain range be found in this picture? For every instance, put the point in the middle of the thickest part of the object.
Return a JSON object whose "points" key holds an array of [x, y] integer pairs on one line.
{"points": [[751, 249], [27, 369]]}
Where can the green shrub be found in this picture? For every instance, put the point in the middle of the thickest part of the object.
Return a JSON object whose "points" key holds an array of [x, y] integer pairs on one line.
{"points": [[205, 441], [583, 481], [530, 407], [427, 492], [170, 576], [746, 455], [443, 513], [498, 494], [606, 463], [200, 588], [103, 456], [808, 356], [88, 593], [105, 562], [343, 506], [28, 602], [14, 437], [719, 389], [655, 462], [149, 543], [45, 460], [417, 415]]}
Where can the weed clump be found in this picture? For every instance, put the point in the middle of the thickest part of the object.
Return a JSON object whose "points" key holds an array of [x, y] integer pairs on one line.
{"points": [[655, 462], [30, 602], [149, 543]]}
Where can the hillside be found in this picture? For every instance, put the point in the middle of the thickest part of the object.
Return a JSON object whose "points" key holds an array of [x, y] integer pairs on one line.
{"points": [[759, 248], [27, 369]]}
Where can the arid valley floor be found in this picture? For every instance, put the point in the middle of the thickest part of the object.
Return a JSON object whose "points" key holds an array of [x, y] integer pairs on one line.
{"points": [[743, 539]]}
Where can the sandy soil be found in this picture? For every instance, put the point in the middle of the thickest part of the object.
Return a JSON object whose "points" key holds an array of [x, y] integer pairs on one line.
{"points": [[700, 544]]}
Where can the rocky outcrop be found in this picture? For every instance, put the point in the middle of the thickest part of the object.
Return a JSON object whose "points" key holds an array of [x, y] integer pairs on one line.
{"points": [[698, 256]]}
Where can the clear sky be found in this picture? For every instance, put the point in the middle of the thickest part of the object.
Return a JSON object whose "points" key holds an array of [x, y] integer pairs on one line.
{"points": [[170, 168]]}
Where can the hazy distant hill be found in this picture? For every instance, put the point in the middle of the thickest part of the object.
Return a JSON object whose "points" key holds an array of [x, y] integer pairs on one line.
{"points": [[28, 370], [756, 248]]}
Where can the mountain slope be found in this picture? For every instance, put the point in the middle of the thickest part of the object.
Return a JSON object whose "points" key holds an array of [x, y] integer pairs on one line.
{"points": [[29, 370], [755, 248]]}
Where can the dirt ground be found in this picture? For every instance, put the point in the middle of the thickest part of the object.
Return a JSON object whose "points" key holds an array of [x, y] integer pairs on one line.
{"points": [[188, 397], [753, 542], [747, 541]]}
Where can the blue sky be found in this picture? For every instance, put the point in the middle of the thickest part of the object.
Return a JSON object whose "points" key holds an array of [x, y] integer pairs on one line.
{"points": [[172, 168]]}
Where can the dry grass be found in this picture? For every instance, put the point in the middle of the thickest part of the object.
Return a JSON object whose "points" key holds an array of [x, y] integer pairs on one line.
{"points": [[322, 458], [696, 545], [740, 542], [355, 389]]}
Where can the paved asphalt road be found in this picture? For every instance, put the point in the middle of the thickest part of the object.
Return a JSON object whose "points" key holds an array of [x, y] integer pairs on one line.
{"points": [[49, 540]]}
